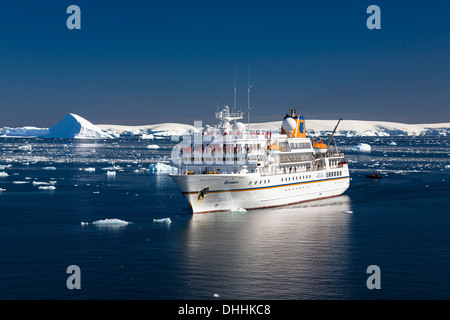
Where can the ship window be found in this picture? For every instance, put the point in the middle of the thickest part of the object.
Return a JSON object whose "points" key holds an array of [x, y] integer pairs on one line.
{"points": [[264, 181], [281, 179], [250, 183]]}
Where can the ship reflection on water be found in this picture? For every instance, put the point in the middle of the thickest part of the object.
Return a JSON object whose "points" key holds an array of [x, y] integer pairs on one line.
{"points": [[291, 252]]}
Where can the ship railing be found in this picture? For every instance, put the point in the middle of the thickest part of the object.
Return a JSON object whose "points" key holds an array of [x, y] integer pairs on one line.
{"points": [[330, 154]]}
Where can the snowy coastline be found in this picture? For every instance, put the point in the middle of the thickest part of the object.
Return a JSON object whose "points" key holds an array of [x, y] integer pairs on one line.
{"points": [[73, 126]]}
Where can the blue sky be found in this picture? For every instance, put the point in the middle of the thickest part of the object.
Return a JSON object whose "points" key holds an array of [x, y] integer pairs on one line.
{"points": [[143, 62]]}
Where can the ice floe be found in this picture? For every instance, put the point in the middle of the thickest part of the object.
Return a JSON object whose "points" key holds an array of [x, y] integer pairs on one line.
{"points": [[48, 188], [162, 168], [362, 147], [163, 220], [110, 222]]}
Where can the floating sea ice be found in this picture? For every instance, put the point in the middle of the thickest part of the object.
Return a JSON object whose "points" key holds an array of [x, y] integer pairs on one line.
{"points": [[89, 169], [348, 211], [164, 220], [216, 295], [153, 146], [1, 190], [447, 166], [47, 188], [20, 182], [3, 174], [38, 183], [110, 222], [393, 143], [147, 136], [113, 168], [362, 147], [26, 147], [162, 168], [48, 168], [111, 173]]}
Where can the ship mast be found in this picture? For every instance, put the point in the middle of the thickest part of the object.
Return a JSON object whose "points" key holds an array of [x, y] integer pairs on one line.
{"points": [[234, 107], [248, 101]]}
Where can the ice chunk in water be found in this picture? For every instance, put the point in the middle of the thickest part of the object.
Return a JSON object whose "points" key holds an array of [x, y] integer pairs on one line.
{"points": [[47, 188], [362, 147], [164, 220], [110, 222], [162, 168]]}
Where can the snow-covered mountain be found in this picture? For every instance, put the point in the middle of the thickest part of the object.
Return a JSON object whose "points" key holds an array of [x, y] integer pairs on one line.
{"points": [[72, 126]]}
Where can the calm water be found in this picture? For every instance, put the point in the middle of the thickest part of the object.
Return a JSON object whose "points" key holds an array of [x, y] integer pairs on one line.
{"points": [[317, 250]]}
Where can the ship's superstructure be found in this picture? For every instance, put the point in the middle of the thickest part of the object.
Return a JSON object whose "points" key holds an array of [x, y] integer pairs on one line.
{"points": [[226, 166]]}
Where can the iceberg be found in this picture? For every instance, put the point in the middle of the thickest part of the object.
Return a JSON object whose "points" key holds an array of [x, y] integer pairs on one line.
{"points": [[146, 136], [362, 147], [162, 168], [110, 222], [25, 132], [163, 220], [49, 188], [74, 126]]}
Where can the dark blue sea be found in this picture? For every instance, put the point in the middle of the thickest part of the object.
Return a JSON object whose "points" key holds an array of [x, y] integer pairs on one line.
{"points": [[315, 250]]}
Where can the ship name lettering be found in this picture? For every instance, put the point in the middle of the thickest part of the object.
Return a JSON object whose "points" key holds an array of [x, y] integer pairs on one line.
{"points": [[230, 182]]}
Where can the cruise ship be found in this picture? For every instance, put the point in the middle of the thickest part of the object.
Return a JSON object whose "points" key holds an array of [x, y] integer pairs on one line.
{"points": [[230, 167]]}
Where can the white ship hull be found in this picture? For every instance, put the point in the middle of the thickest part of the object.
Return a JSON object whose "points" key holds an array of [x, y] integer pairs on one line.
{"points": [[253, 191]]}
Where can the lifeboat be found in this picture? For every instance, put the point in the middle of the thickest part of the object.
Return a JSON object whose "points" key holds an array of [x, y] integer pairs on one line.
{"points": [[273, 147], [320, 147]]}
